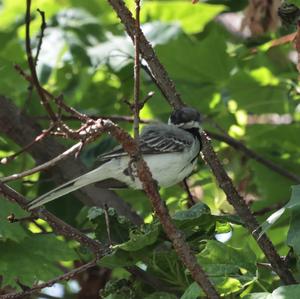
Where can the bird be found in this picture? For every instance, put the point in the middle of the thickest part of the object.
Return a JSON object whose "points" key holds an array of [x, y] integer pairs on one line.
{"points": [[289, 13], [170, 150]]}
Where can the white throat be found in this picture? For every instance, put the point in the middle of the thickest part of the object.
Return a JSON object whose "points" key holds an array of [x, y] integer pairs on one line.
{"points": [[189, 125]]}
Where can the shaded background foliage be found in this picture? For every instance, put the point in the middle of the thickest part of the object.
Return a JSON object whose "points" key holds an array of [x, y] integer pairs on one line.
{"points": [[252, 95]]}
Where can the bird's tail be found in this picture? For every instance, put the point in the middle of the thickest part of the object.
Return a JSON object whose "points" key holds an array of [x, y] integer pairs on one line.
{"points": [[79, 182]]}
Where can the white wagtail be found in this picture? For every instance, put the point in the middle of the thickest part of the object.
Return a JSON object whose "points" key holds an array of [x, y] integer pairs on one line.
{"points": [[170, 150]]}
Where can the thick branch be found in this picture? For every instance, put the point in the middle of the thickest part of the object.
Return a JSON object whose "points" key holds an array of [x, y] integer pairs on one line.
{"points": [[137, 79], [244, 212]]}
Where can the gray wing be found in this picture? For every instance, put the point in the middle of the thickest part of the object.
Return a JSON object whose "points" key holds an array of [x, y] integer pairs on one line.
{"points": [[156, 139]]}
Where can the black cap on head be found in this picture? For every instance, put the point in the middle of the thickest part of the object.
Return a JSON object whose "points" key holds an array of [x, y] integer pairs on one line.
{"points": [[184, 115]]}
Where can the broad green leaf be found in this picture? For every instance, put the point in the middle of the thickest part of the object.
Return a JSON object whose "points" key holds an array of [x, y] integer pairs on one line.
{"points": [[110, 226], [213, 63], [284, 292], [218, 253], [226, 286], [117, 51], [293, 234], [161, 295], [258, 92], [192, 18], [230, 268], [199, 214], [121, 258], [199, 68], [33, 259], [165, 264], [293, 205], [11, 231], [140, 239], [296, 2]]}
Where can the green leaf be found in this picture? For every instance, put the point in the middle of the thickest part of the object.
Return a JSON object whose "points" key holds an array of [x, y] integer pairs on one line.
{"points": [[117, 226], [284, 292], [11, 231], [228, 285], [193, 292], [293, 205], [213, 63], [140, 239], [269, 96], [33, 259], [198, 82], [121, 258], [230, 268], [117, 51], [198, 214], [192, 18], [161, 295], [293, 234], [296, 2]]}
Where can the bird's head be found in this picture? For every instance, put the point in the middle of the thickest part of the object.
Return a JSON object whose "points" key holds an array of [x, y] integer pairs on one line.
{"points": [[185, 118]]}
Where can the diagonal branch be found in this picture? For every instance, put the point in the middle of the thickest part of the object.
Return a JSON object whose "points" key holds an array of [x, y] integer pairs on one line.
{"points": [[252, 154], [43, 166], [173, 97], [36, 289], [59, 226]]}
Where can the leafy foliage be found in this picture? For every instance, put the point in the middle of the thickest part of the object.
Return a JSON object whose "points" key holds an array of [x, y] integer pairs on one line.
{"points": [[245, 86]]}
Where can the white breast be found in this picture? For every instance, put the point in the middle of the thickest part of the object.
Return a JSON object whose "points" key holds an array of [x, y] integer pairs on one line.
{"points": [[170, 168]]}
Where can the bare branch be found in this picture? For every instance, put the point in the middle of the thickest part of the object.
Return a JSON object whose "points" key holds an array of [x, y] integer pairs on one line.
{"points": [[45, 133], [36, 288], [42, 31], [43, 166], [252, 154], [31, 63]]}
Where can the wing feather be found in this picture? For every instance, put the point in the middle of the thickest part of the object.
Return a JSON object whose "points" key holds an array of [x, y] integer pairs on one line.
{"points": [[156, 139]]}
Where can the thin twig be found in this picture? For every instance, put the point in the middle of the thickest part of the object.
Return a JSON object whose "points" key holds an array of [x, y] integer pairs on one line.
{"points": [[59, 226], [45, 133], [58, 100], [43, 166], [191, 200], [252, 154], [269, 209], [107, 223], [42, 31], [64, 277], [31, 64], [12, 218], [114, 118], [158, 71]]}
